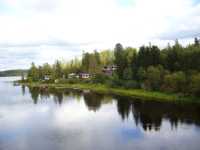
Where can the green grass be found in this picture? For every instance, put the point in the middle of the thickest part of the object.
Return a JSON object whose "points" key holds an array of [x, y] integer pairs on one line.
{"points": [[135, 93]]}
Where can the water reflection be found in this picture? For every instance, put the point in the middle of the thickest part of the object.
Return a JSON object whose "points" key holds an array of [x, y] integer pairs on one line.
{"points": [[151, 114], [23, 89], [93, 100], [123, 107], [49, 119], [146, 114]]}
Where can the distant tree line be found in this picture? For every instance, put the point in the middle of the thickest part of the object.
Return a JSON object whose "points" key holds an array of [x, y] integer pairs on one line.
{"points": [[16, 72], [174, 69]]}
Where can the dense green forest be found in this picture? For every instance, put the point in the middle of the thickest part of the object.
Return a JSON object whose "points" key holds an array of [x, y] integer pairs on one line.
{"points": [[16, 72], [173, 69]]}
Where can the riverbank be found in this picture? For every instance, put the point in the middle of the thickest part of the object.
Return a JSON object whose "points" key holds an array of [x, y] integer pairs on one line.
{"points": [[134, 93]]}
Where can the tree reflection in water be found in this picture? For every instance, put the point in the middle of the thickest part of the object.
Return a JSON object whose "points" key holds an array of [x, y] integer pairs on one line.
{"points": [[147, 114], [93, 100], [23, 89], [34, 94]]}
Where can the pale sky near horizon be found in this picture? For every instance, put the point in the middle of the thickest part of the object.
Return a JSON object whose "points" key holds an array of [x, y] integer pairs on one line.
{"points": [[46, 30]]}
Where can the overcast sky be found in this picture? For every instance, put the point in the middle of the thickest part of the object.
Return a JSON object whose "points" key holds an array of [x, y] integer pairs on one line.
{"points": [[45, 30]]}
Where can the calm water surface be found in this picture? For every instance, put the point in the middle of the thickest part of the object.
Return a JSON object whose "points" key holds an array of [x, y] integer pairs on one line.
{"points": [[33, 119]]}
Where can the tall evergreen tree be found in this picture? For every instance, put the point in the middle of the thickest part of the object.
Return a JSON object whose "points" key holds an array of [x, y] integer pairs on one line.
{"points": [[85, 61], [196, 42], [58, 73], [33, 73], [119, 59]]}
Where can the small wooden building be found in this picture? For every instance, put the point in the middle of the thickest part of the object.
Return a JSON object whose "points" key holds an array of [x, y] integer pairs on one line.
{"points": [[109, 70], [84, 75]]}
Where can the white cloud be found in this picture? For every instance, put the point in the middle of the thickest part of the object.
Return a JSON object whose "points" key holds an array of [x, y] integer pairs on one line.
{"points": [[50, 27]]}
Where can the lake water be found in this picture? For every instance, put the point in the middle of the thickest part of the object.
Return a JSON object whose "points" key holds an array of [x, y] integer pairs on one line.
{"points": [[33, 119]]}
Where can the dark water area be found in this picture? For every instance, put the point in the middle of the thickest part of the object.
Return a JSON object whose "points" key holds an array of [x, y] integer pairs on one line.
{"points": [[35, 119]]}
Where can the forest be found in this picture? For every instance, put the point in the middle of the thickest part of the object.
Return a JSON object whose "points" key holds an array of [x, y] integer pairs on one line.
{"points": [[173, 69]]}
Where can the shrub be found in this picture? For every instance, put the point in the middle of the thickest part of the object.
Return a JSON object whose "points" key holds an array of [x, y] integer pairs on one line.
{"points": [[71, 81], [175, 82], [127, 73], [100, 78], [141, 74], [130, 84], [115, 81], [86, 81], [153, 80], [195, 84]]}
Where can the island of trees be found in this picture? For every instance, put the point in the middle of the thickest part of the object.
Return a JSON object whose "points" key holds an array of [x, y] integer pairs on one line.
{"points": [[173, 69]]}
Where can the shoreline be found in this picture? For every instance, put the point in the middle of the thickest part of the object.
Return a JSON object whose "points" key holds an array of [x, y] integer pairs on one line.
{"points": [[132, 93]]}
